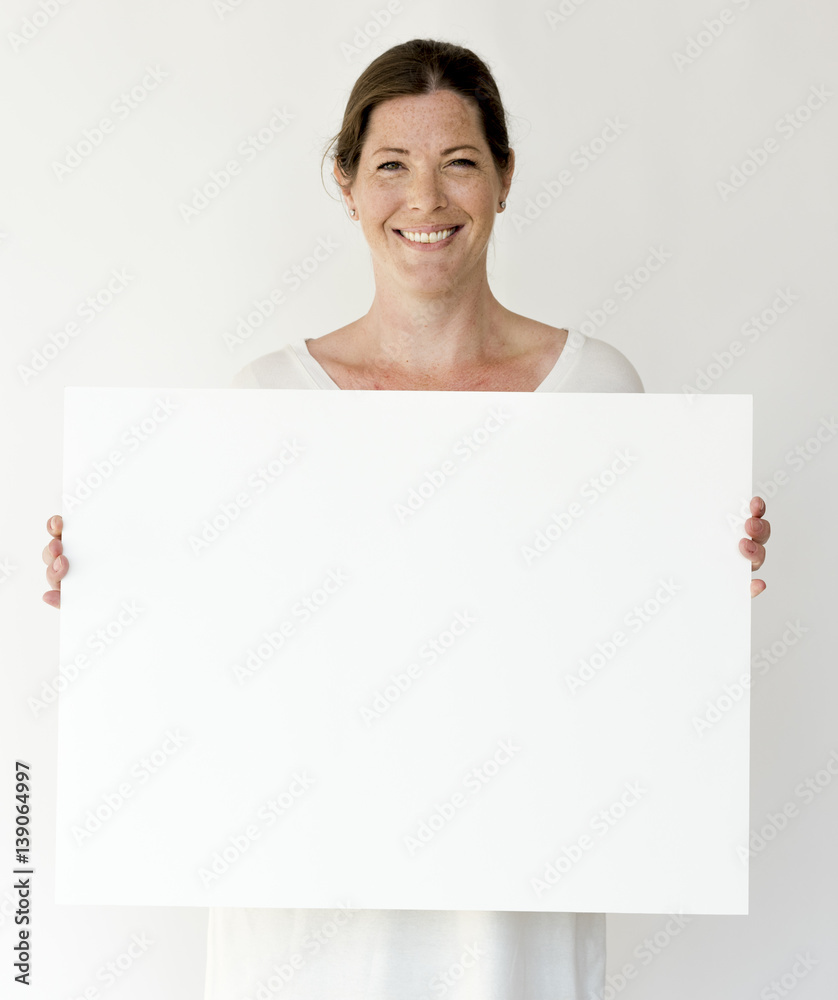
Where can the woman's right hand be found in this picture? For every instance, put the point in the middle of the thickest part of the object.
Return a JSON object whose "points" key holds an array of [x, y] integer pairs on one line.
{"points": [[57, 564]]}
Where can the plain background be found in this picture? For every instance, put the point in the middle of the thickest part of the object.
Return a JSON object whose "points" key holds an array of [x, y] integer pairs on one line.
{"points": [[562, 76]]}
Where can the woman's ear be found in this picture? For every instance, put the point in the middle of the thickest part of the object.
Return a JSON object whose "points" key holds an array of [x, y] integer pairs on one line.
{"points": [[343, 184], [507, 174]]}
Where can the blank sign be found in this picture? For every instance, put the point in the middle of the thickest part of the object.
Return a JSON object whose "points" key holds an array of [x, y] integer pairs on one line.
{"points": [[424, 649]]}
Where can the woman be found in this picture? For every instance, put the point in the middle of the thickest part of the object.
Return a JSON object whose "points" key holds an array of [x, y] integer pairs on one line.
{"points": [[423, 150]]}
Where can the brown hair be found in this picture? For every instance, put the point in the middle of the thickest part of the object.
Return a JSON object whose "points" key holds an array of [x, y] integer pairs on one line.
{"points": [[420, 66]]}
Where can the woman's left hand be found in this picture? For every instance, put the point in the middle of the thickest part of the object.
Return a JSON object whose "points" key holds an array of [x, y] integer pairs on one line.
{"points": [[752, 548]]}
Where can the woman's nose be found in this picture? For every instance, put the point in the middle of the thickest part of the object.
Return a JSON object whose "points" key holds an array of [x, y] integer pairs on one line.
{"points": [[426, 191]]}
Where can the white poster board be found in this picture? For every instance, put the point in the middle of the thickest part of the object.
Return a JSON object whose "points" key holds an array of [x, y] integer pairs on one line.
{"points": [[427, 650]]}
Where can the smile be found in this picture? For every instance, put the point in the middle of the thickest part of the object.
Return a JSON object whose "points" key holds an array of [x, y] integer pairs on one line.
{"points": [[428, 241]]}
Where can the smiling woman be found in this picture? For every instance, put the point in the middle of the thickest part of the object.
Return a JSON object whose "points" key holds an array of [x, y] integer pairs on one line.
{"points": [[423, 163]]}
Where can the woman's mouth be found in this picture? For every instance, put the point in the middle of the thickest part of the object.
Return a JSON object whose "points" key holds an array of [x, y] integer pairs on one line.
{"points": [[428, 241]]}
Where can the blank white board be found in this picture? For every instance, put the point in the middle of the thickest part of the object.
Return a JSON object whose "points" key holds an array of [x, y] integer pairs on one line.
{"points": [[424, 649]]}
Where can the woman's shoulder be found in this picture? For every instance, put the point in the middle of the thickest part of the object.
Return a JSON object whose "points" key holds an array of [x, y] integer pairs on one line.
{"points": [[599, 366], [280, 369]]}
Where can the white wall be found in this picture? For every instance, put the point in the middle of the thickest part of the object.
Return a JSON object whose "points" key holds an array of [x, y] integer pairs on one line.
{"points": [[564, 71]]}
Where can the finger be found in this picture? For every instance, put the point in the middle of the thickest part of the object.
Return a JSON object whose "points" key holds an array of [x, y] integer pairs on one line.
{"points": [[52, 551], [758, 528], [55, 525], [753, 551], [52, 597], [759, 509], [757, 587], [56, 571]]}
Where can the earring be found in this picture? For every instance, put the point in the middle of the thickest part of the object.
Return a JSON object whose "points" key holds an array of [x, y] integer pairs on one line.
{"points": [[351, 211], [503, 204]]}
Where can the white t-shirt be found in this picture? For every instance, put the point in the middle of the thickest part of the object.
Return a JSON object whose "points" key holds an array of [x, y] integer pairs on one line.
{"points": [[346, 954], [586, 364]]}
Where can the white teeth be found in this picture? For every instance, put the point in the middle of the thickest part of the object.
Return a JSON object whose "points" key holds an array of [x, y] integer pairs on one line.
{"points": [[427, 237]]}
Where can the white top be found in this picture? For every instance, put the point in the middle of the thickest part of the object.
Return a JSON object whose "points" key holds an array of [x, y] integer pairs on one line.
{"points": [[585, 364], [345, 954]]}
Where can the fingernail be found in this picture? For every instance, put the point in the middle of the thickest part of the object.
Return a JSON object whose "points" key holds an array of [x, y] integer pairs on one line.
{"points": [[57, 564]]}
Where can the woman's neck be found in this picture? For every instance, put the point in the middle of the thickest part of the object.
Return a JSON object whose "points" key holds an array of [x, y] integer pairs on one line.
{"points": [[443, 334]]}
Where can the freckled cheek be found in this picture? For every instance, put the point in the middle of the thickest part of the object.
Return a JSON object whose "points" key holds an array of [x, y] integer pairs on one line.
{"points": [[384, 206], [477, 201]]}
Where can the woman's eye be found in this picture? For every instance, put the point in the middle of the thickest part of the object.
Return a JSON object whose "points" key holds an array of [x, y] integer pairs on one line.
{"points": [[396, 163]]}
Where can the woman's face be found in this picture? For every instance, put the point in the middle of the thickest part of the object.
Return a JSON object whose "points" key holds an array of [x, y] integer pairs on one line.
{"points": [[436, 181]]}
